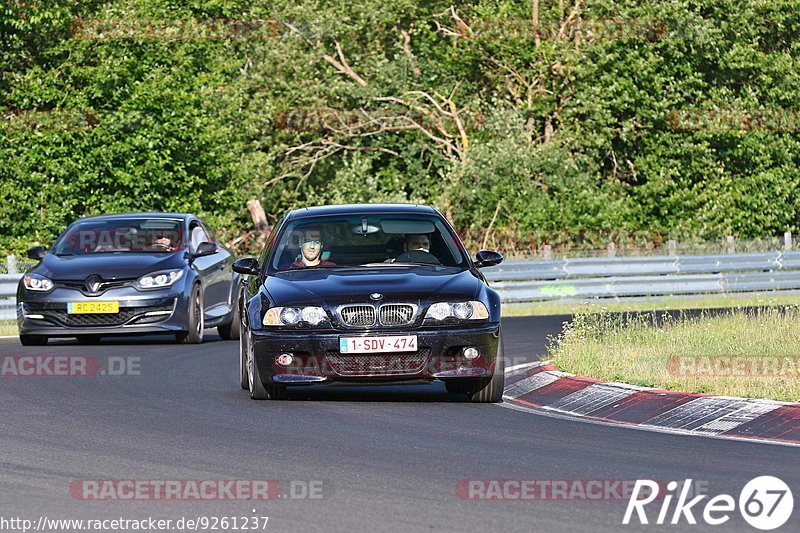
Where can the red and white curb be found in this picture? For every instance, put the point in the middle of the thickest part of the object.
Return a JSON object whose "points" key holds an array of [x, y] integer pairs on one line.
{"points": [[541, 388]]}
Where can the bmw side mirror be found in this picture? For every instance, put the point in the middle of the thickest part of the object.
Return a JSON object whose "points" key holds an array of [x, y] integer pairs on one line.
{"points": [[37, 252], [247, 266], [205, 248], [487, 258]]}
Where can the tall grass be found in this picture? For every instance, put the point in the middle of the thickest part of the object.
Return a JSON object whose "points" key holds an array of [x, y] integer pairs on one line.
{"points": [[749, 353]]}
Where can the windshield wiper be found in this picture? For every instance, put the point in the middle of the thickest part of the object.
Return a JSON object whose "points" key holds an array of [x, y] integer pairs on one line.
{"points": [[383, 264]]}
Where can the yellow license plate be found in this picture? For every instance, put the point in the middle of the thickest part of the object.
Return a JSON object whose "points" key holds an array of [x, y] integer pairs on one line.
{"points": [[92, 308]]}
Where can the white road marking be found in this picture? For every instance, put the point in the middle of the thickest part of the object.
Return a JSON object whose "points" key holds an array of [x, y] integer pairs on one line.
{"points": [[711, 416], [529, 384], [591, 398], [637, 427]]}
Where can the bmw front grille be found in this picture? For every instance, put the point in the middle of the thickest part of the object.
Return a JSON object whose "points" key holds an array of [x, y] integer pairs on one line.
{"points": [[392, 314]]}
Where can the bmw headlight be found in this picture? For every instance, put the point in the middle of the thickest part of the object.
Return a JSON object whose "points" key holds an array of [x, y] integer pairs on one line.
{"points": [[35, 282], [459, 311], [159, 280], [295, 316]]}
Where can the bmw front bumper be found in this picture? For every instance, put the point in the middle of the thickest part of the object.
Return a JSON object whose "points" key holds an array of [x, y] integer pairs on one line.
{"points": [[315, 357]]}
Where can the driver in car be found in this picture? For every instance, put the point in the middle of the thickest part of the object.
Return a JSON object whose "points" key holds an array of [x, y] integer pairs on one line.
{"points": [[311, 250], [166, 243]]}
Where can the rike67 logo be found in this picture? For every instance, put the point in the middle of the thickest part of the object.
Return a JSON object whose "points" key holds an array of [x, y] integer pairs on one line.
{"points": [[765, 503]]}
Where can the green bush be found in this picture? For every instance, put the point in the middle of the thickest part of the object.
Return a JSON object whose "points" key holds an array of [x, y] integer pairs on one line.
{"points": [[579, 135]]}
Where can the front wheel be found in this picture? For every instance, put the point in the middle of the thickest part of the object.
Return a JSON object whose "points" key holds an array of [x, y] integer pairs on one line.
{"points": [[492, 391], [194, 333], [259, 391], [243, 361]]}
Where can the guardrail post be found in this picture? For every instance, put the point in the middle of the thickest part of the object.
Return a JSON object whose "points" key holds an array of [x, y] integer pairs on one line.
{"points": [[673, 247], [611, 249], [730, 245], [11, 264], [787, 241], [548, 252]]}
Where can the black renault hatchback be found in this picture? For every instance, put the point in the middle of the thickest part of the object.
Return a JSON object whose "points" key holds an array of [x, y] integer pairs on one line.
{"points": [[127, 274], [369, 294]]}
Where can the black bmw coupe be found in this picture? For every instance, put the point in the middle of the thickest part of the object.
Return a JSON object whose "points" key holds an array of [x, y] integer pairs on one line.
{"points": [[129, 274], [369, 294]]}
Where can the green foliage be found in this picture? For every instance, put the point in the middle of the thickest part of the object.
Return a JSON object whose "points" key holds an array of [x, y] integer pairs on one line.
{"points": [[577, 134]]}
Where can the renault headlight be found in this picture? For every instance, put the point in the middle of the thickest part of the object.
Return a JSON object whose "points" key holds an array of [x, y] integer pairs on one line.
{"points": [[159, 280], [35, 282]]}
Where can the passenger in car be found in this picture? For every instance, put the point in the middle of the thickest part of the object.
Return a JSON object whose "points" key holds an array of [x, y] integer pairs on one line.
{"points": [[417, 249], [417, 242]]}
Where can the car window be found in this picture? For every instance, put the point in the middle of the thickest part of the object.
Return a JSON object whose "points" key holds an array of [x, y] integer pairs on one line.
{"points": [[376, 240], [211, 236], [270, 243], [197, 236], [120, 235]]}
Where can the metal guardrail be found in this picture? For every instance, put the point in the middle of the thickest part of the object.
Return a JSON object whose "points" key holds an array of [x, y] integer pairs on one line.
{"points": [[8, 292], [9, 278], [621, 277], [588, 278]]}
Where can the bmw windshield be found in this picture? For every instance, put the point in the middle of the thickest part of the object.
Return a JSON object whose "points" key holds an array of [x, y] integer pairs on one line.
{"points": [[388, 240]]}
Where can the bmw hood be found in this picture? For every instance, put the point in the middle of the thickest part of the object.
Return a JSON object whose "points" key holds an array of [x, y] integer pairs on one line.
{"points": [[109, 266], [333, 287]]}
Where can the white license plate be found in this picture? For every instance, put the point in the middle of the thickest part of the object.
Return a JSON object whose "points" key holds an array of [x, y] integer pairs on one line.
{"points": [[383, 344]]}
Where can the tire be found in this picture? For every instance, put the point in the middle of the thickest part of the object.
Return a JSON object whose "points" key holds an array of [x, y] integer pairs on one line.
{"points": [[196, 325], [232, 330], [33, 340], [89, 339], [258, 391], [492, 391], [243, 355]]}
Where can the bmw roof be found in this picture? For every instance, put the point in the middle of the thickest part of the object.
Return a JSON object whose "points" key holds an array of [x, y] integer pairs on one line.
{"points": [[360, 209]]}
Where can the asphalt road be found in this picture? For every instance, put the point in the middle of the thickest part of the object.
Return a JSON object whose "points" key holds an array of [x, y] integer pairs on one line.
{"points": [[386, 459]]}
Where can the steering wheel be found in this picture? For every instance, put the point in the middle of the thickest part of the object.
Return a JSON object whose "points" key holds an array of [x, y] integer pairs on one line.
{"points": [[162, 245], [418, 256]]}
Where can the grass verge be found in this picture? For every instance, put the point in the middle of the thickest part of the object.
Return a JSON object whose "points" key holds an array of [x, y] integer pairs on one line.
{"points": [[710, 301], [8, 328], [752, 354]]}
